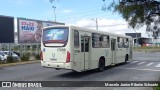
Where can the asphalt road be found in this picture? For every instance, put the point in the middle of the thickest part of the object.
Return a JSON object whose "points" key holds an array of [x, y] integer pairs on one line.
{"points": [[144, 67]]}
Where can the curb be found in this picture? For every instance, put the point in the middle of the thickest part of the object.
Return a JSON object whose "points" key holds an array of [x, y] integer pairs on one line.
{"points": [[19, 63]]}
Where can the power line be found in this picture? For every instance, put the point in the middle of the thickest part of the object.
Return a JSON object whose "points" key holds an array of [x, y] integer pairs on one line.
{"points": [[81, 14], [108, 25], [76, 17]]}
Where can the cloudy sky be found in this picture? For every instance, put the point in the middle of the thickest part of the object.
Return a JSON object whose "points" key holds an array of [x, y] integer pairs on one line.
{"points": [[75, 12]]}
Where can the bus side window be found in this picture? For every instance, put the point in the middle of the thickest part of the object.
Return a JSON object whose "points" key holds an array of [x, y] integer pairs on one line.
{"points": [[96, 40], [82, 44], [120, 42], [76, 39], [126, 43], [86, 44], [105, 41]]}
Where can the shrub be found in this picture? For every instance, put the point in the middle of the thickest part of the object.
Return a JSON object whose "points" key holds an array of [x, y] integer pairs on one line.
{"points": [[37, 57], [0, 60], [34, 54], [25, 56], [10, 59]]}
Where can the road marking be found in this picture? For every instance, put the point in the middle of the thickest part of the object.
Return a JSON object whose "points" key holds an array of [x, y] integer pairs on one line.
{"points": [[139, 69], [149, 64], [158, 65], [141, 63], [134, 62]]}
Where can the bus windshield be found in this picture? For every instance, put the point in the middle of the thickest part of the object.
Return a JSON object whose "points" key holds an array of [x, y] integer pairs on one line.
{"points": [[55, 35]]}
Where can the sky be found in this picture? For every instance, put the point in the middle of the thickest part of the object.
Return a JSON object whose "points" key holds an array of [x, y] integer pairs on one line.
{"points": [[71, 12]]}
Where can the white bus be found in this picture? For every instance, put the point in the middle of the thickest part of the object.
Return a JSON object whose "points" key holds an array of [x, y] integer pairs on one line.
{"points": [[80, 49]]}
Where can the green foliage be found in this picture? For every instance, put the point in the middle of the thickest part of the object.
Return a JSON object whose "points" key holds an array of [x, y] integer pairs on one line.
{"points": [[4, 49], [28, 47], [133, 14], [33, 54], [16, 47], [140, 13], [34, 46], [26, 56], [10, 59], [37, 57], [147, 49], [157, 88]]}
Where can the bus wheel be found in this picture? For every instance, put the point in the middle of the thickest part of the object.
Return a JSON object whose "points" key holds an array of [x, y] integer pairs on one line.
{"points": [[101, 65], [126, 58]]}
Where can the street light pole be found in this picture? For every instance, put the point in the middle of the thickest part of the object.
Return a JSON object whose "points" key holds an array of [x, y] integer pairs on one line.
{"points": [[54, 12], [96, 23]]}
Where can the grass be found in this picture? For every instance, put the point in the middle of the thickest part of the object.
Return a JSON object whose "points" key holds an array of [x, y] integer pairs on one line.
{"points": [[156, 88], [147, 49], [18, 63]]}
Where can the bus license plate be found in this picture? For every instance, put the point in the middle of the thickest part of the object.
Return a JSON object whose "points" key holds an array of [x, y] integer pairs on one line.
{"points": [[53, 59]]}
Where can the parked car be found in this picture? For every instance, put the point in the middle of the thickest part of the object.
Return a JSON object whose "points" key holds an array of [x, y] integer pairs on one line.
{"points": [[14, 56], [17, 53], [3, 57]]}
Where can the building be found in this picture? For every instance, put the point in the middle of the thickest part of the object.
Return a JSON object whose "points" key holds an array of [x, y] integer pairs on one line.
{"points": [[143, 41], [135, 37]]}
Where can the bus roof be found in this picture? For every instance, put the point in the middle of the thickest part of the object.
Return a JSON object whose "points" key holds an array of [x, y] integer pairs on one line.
{"points": [[89, 30]]}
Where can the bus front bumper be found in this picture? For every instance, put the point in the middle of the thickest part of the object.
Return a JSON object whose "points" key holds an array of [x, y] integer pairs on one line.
{"points": [[56, 65]]}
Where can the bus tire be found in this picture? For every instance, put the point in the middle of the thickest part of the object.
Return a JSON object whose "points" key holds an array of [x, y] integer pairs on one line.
{"points": [[126, 58], [101, 65]]}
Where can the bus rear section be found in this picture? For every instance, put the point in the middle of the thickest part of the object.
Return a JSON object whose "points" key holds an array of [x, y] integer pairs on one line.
{"points": [[55, 48]]}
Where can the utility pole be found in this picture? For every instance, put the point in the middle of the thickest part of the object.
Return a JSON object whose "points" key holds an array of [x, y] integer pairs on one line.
{"points": [[136, 39], [96, 23], [54, 12]]}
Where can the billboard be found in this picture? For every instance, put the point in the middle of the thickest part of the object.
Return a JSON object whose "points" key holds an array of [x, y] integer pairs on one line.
{"points": [[29, 31], [6, 29]]}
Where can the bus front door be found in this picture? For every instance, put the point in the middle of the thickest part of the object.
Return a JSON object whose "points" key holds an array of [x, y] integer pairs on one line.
{"points": [[85, 51], [113, 50]]}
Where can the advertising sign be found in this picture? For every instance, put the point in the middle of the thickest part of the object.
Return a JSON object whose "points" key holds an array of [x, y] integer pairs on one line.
{"points": [[6, 29], [30, 30], [46, 24]]}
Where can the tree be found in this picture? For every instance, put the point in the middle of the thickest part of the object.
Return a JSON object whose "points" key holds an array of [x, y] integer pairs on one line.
{"points": [[51, 1], [139, 13]]}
